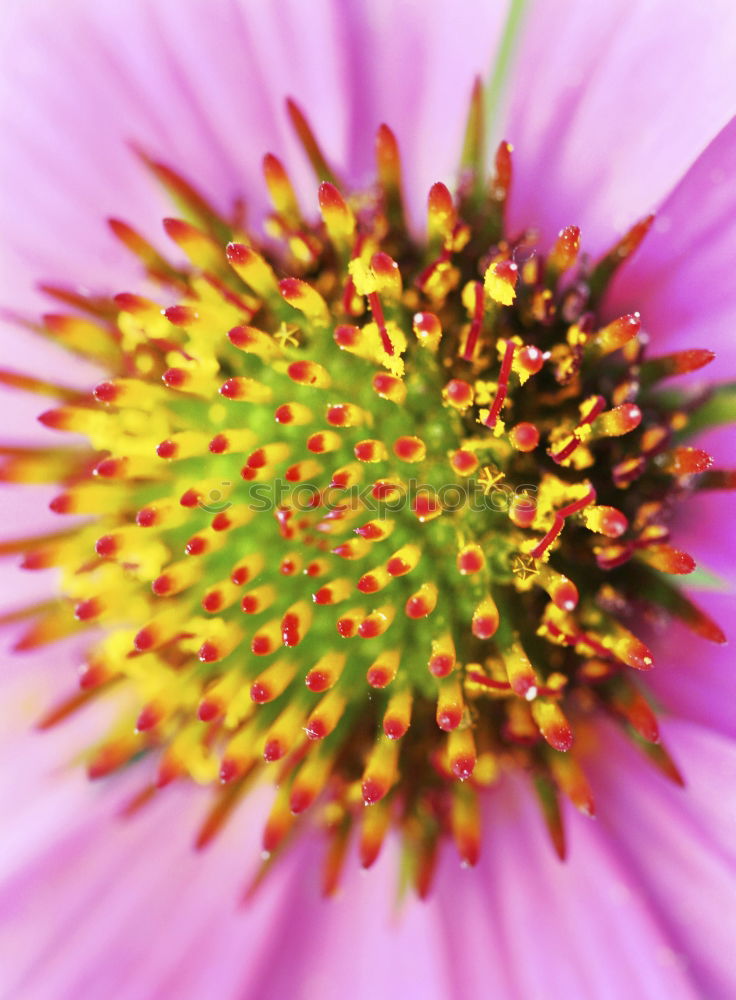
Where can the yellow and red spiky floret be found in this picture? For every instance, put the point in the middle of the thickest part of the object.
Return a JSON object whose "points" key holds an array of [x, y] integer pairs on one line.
{"points": [[368, 515]]}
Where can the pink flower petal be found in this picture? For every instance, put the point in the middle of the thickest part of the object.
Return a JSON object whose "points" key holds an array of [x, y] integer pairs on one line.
{"points": [[679, 845], [581, 928], [604, 116], [682, 278], [147, 76], [693, 677]]}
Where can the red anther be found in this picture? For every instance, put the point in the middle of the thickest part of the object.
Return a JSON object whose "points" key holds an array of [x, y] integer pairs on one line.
{"points": [[470, 560], [301, 799], [144, 639], [368, 584], [531, 359], [396, 566], [370, 531], [565, 595], [307, 373], [106, 546], [418, 606], [209, 709], [384, 489], [347, 336], [459, 393], [196, 546], [146, 517], [273, 750], [213, 601], [174, 377], [230, 389], [284, 414], [315, 443], [441, 664], [92, 675], [449, 718], [190, 498], [410, 449], [229, 770], [149, 717], [379, 676], [88, 610], [106, 392], [565, 251], [317, 680], [167, 449], [181, 315], [53, 419], [347, 627], [463, 766], [485, 620], [62, 504], [222, 521], [257, 459], [290, 630], [162, 585], [316, 729], [614, 523], [369, 451], [261, 645], [441, 210], [394, 728], [209, 652], [337, 415], [426, 506], [525, 437], [109, 468], [239, 336], [373, 791], [288, 566], [219, 444], [369, 629], [465, 462], [323, 595], [260, 693]]}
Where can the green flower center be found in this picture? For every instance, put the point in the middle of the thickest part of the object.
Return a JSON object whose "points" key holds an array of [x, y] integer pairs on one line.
{"points": [[367, 514]]}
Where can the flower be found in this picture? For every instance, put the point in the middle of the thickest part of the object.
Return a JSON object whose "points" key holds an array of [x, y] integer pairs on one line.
{"points": [[655, 855]]}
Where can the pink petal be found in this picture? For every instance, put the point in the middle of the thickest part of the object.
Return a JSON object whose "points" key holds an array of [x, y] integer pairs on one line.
{"points": [[679, 845], [604, 117], [682, 278], [203, 87], [695, 678], [582, 928]]}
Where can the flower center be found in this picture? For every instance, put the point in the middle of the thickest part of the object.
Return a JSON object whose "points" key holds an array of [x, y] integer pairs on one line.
{"points": [[369, 514]]}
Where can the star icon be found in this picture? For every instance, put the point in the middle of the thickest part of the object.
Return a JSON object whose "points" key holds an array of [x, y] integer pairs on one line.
{"points": [[490, 476], [524, 566], [286, 336]]}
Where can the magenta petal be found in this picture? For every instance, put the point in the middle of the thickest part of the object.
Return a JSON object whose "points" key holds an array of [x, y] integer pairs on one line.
{"points": [[203, 87], [682, 278], [603, 115], [581, 928], [679, 846], [695, 678]]}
